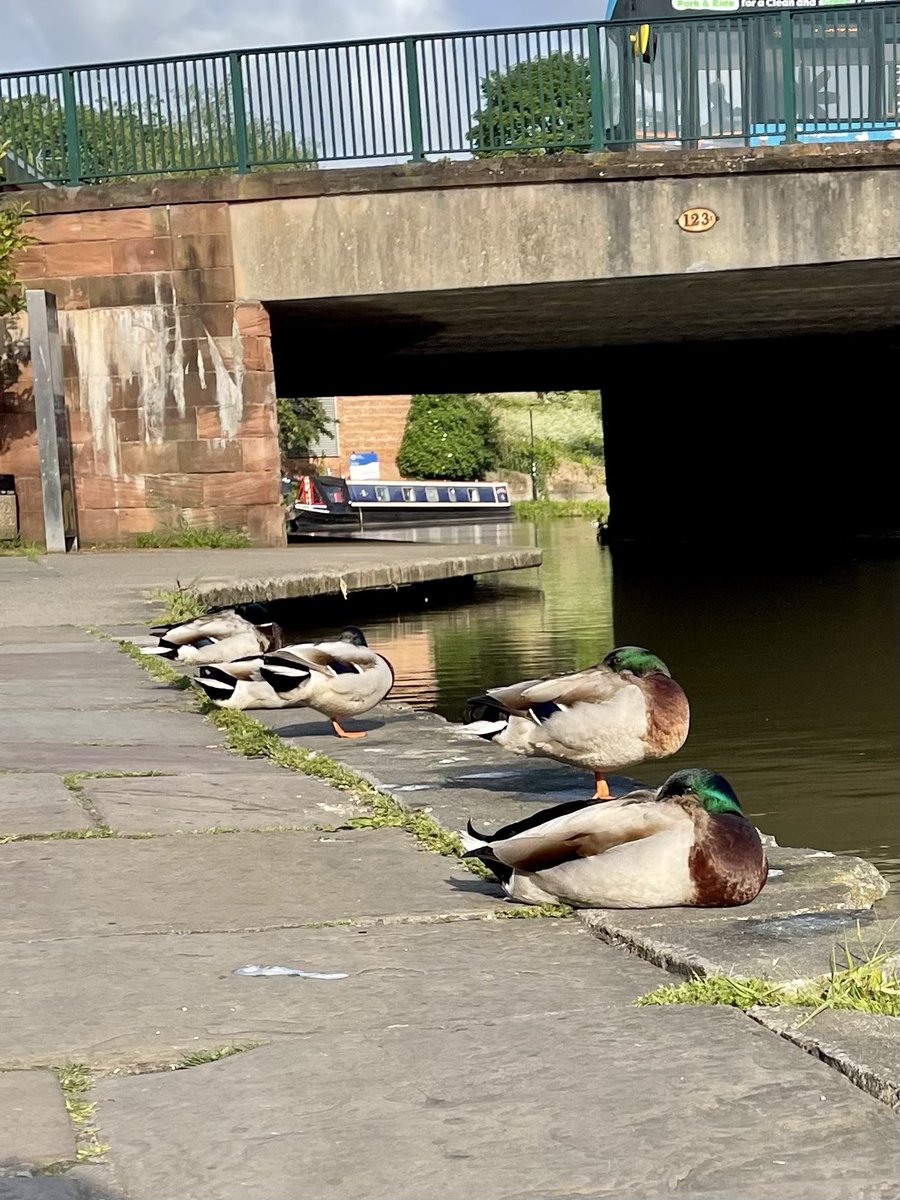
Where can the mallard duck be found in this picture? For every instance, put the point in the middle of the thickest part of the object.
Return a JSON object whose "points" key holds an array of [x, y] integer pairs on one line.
{"points": [[338, 679], [221, 636], [620, 712], [232, 685], [688, 843]]}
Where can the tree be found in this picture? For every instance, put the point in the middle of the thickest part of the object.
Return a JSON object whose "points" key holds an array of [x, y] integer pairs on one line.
{"points": [[300, 422], [12, 240], [142, 140], [543, 104], [448, 437]]}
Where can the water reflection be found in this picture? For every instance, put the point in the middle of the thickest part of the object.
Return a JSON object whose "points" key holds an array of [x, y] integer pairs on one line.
{"points": [[792, 674]]}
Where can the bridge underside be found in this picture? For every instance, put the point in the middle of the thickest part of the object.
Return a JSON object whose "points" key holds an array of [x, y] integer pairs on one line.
{"points": [[737, 408], [556, 336]]}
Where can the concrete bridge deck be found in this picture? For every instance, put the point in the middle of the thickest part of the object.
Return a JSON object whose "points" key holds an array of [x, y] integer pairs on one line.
{"points": [[97, 588]]}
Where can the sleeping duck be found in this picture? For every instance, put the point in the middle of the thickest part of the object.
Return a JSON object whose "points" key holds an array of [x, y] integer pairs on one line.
{"points": [[338, 679], [218, 637], [239, 685], [688, 843], [616, 714]]}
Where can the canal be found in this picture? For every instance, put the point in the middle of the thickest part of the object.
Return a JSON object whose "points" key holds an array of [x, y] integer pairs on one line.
{"points": [[791, 673]]}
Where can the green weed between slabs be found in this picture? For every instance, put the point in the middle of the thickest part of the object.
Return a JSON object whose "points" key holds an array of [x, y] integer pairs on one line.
{"points": [[75, 1081], [16, 548], [181, 604], [861, 986], [197, 1058], [188, 537], [250, 738]]}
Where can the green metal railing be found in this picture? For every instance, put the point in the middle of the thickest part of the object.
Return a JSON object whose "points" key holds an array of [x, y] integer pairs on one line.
{"points": [[828, 73]]}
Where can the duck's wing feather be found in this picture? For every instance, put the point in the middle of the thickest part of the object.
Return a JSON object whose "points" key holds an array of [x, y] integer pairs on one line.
{"points": [[593, 685], [336, 658], [589, 831], [217, 626]]}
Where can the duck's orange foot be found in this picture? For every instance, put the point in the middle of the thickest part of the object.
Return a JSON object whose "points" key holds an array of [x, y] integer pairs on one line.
{"points": [[346, 733], [601, 790]]}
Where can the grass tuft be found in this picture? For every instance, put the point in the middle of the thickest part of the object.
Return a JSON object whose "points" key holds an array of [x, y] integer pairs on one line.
{"points": [[526, 912], [160, 668], [863, 985], [181, 604], [182, 536], [197, 1058], [75, 1081], [16, 548]]}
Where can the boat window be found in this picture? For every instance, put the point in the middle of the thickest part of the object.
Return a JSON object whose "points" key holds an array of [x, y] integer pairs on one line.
{"points": [[451, 493], [431, 493], [473, 494], [409, 494], [382, 493]]}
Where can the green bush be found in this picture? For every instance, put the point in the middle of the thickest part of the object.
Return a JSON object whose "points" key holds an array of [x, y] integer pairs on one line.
{"points": [[449, 437]]}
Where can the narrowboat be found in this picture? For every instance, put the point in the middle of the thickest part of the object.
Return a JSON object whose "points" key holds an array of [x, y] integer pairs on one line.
{"points": [[329, 504]]}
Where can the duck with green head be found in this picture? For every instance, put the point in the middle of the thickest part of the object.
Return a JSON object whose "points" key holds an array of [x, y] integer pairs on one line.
{"points": [[687, 843], [618, 713]]}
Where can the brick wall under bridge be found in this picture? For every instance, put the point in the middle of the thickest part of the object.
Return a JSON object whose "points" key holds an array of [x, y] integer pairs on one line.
{"points": [[168, 378]]}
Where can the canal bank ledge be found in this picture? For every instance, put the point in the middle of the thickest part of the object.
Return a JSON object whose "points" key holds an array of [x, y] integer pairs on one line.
{"points": [[448, 1052], [103, 588]]}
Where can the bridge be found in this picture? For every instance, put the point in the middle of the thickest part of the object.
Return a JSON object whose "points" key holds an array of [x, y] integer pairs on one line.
{"points": [[725, 272]]}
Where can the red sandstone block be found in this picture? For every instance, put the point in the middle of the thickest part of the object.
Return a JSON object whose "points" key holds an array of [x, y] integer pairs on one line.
{"points": [[180, 491], [259, 420], [238, 487], [204, 286], [117, 224], [259, 388], [30, 263], [148, 458], [201, 252], [99, 491], [265, 524], [252, 319], [80, 258], [207, 219], [221, 517], [54, 228], [96, 524], [260, 454], [137, 520], [215, 455], [257, 354], [83, 458], [135, 256]]}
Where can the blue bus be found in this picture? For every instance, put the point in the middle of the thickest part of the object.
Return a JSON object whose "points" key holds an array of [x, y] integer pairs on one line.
{"points": [[706, 82]]}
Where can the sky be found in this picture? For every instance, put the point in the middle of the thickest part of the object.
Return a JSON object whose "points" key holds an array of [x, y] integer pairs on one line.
{"points": [[46, 33]]}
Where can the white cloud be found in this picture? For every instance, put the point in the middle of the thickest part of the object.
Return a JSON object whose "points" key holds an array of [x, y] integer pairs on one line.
{"points": [[56, 32]]}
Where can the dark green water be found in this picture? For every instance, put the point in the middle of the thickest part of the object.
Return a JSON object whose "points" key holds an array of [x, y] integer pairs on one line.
{"points": [[792, 674]]}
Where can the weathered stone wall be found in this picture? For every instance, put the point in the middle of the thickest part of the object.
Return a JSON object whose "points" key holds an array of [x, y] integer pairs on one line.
{"points": [[168, 380], [18, 434]]}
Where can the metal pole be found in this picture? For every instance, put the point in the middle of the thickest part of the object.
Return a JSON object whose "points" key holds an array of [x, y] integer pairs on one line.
{"points": [[533, 462], [54, 448]]}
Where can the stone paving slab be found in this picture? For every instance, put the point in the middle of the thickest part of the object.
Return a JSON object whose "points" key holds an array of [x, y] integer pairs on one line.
{"points": [[36, 1128], [634, 1104], [864, 1046], [150, 999], [790, 948], [38, 803], [237, 800], [226, 881], [63, 758], [114, 727], [28, 694]]}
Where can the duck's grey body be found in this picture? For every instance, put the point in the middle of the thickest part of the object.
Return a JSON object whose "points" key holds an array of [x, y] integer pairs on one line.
{"points": [[645, 850]]}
